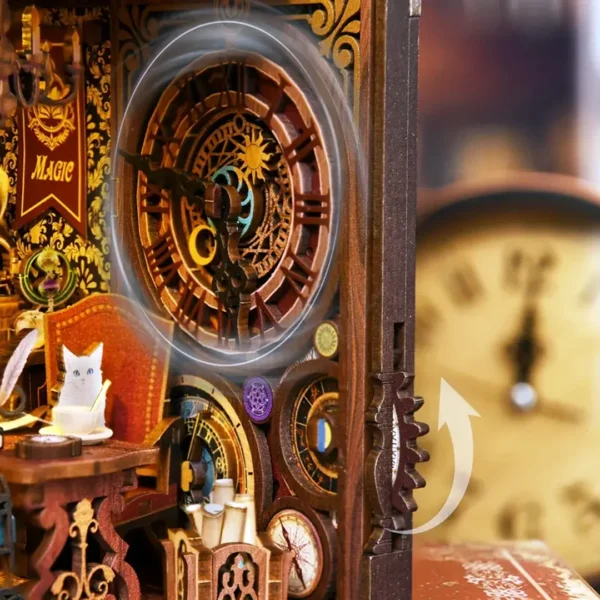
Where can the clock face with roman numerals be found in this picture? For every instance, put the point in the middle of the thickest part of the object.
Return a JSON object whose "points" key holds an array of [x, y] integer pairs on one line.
{"points": [[508, 305], [239, 120]]}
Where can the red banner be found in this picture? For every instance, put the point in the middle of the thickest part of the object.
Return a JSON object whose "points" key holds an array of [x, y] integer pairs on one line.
{"points": [[52, 150]]}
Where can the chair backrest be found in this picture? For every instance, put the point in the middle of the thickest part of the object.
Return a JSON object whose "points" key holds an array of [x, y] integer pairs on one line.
{"points": [[135, 358]]}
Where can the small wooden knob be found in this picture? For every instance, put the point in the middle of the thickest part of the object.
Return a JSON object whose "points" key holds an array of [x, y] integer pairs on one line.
{"points": [[193, 475]]}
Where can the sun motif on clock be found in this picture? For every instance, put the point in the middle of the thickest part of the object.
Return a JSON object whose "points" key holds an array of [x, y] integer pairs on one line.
{"points": [[240, 122], [253, 156]]}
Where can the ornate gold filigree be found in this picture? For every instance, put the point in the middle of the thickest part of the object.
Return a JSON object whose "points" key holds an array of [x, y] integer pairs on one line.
{"points": [[232, 9], [92, 582], [89, 258], [71, 17], [53, 125], [336, 22]]}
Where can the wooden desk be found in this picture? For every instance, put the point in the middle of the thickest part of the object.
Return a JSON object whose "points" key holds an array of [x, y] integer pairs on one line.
{"points": [[74, 500], [515, 571]]}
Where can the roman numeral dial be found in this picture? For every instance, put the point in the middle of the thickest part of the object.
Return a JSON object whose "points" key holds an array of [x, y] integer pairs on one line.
{"points": [[243, 124], [507, 313]]}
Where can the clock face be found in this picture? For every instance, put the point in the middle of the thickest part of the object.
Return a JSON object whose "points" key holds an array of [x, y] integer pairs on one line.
{"points": [[306, 434], [292, 530], [215, 437], [314, 428], [508, 313], [241, 121]]}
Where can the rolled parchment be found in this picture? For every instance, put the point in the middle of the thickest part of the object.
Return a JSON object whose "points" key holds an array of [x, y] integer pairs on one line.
{"points": [[194, 513], [233, 523], [222, 492], [212, 524], [249, 535]]}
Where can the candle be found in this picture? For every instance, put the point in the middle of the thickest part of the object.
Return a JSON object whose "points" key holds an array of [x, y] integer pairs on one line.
{"points": [[233, 523], [223, 492], [249, 534], [212, 524], [194, 513]]}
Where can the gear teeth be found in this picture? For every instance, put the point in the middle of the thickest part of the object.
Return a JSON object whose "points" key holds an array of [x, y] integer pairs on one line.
{"points": [[410, 431]]}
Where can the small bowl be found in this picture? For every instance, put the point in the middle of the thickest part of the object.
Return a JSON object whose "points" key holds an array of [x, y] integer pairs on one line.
{"points": [[78, 420]]}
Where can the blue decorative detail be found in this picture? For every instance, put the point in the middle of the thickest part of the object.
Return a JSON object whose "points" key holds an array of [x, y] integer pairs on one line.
{"points": [[13, 527], [211, 472], [232, 174], [189, 408], [322, 435]]}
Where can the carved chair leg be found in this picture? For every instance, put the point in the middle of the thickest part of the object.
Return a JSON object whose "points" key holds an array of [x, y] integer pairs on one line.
{"points": [[55, 521], [128, 585]]}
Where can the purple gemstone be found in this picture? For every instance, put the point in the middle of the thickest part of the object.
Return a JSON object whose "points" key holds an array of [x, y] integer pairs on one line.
{"points": [[50, 286], [258, 399]]}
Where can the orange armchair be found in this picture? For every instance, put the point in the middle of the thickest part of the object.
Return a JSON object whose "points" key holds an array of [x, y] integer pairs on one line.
{"points": [[136, 360]]}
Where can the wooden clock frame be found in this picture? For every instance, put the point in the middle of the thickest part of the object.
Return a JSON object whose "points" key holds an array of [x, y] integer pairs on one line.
{"points": [[374, 44]]}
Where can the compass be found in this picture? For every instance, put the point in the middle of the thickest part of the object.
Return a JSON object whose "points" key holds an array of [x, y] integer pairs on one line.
{"points": [[310, 536]]}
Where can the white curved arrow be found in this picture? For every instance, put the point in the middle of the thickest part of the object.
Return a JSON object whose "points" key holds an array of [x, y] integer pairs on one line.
{"points": [[455, 413]]}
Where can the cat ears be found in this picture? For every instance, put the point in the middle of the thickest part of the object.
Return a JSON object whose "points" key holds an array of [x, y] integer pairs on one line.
{"points": [[96, 355], [68, 356]]}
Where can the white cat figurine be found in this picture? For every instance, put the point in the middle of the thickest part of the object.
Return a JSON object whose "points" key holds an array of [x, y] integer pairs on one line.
{"points": [[83, 379]]}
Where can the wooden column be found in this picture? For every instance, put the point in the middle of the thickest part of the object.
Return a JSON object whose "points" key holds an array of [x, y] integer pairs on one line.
{"points": [[378, 301]]}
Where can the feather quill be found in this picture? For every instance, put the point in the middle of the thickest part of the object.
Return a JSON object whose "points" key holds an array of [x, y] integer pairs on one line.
{"points": [[16, 364]]}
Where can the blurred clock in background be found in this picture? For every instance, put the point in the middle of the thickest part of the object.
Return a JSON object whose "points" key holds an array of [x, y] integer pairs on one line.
{"points": [[508, 312]]}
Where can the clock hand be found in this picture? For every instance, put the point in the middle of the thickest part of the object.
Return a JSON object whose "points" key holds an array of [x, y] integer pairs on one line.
{"points": [[178, 182], [525, 348], [525, 351], [286, 537], [545, 407], [235, 278]]}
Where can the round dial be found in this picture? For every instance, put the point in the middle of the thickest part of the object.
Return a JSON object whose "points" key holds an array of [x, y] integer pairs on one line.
{"points": [[221, 443], [311, 536], [291, 530], [508, 313], [307, 431], [313, 416], [253, 125], [326, 339]]}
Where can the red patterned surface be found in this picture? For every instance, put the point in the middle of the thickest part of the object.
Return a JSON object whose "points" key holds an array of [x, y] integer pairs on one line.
{"points": [[135, 358], [515, 571]]}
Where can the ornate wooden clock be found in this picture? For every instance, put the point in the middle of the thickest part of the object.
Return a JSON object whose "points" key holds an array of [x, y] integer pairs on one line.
{"points": [[266, 205]]}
